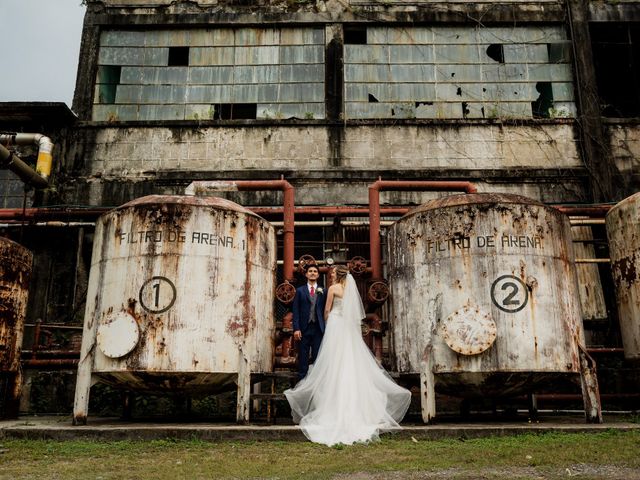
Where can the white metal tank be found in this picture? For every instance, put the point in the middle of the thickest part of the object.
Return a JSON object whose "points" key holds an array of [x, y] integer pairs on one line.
{"points": [[15, 273], [484, 298], [180, 299], [623, 232]]}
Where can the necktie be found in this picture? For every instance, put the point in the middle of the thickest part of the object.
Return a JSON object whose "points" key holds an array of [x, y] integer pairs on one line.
{"points": [[313, 291]]}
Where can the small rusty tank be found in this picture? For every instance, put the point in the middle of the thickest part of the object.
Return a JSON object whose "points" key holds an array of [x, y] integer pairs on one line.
{"points": [[484, 299], [180, 299], [15, 273], [623, 232]]}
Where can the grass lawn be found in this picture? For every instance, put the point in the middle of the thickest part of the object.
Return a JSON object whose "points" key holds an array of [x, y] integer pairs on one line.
{"points": [[607, 455]]}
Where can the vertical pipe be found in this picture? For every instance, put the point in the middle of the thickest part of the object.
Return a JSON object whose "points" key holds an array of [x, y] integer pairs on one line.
{"points": [[374, 231]]}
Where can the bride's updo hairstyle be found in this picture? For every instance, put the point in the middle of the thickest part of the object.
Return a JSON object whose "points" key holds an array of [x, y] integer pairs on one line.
{"points": [[341, 274]]}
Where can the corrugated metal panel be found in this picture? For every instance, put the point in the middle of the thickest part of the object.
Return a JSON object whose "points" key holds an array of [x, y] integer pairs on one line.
{"points": [[526, 53], [122, 39], [208, 56], [199, 112], [412, 73], [302, 54], [162, 94], [257, 55], [161, 112], [133, 56], [301, 73], [367, 73], [111, 113], [455, 35], [154, 75], [412, 54], [504, 73], [458, 73], [210, 75], [307, 36], [209, 94], [366, 54], [367, 110], [460, 54], [521, 35], [257, 36], [562, 92], [312, 92], [390, 36], [509, 91], [261, 74], [255, 93], [291, 110]]}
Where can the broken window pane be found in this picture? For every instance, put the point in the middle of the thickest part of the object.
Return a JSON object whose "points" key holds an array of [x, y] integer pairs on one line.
{"points": [[616, 55]]}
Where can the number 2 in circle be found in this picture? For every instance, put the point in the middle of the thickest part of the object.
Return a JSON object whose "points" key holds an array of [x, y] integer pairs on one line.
{"points": [[509, 293]]}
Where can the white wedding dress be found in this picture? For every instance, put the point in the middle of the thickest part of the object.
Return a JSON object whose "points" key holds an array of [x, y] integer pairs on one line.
{"points": [[346, 397]]}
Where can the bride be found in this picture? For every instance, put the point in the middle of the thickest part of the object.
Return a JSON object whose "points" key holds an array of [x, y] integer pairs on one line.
{"points": [[346, 397]]}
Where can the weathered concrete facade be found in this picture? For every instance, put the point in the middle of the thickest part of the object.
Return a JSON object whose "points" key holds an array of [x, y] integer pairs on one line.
{"points": [[518, 97]]}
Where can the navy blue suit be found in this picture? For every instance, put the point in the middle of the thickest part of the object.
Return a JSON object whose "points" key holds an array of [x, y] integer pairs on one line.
{"points": [[311, 332]]}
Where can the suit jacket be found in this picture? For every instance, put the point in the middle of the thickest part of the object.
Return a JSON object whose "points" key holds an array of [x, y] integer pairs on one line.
{"points": [[302, 308]]}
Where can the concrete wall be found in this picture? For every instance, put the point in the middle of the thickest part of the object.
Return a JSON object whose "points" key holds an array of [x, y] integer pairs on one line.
{"points": [[142, 152]]}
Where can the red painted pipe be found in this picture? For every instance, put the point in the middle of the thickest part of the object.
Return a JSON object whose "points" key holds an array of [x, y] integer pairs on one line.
{"points": [[288, 210], [51, 362], [374, 209], [331, 211], [598, 211]]}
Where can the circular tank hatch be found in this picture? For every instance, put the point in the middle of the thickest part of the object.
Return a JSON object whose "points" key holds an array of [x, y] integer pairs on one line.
{"points": [[118, 335], [469, 330]]}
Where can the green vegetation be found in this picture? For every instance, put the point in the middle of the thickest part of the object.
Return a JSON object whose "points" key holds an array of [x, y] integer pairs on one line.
{"points": [[609, 454]]}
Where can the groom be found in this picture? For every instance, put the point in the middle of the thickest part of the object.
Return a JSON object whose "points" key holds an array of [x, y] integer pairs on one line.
{"points": [[308, 319]]}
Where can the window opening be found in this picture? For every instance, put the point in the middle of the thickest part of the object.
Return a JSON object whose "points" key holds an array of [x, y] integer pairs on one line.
{"points": [[616, 56], [495, 52], [235, 111], [178, 56], [355, 35], [108, 81], [540, 107]]}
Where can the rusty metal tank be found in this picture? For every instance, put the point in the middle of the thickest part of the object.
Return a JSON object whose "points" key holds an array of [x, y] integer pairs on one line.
{"points": [[623, 232], [484, 296], [180, 297], [15, 273]]}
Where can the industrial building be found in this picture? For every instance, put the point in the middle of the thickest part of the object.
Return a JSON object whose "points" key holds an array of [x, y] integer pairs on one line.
{"points": [[319, 125]]}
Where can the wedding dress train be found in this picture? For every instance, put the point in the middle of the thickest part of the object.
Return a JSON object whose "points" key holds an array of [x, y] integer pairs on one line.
{"points": [[346, 396]]}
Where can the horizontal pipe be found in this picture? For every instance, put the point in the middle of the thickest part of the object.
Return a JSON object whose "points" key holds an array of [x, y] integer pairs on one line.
{"points": [[591, 211], [288, 194], [584, 221], [11, 161], [51, 362], [593, 260], [57, 326], [332, 211], [55, 213], [375, 212], [56, 224], [328, 223], [605, 350]]}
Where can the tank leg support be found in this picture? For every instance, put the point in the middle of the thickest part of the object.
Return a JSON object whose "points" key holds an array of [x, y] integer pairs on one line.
{"points": [[427, 391], [243, 405], [83, 385], [590, 389], [13, 398]]}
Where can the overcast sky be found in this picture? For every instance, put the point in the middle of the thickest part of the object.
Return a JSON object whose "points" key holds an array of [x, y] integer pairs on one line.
{"points": [[39, 45]]}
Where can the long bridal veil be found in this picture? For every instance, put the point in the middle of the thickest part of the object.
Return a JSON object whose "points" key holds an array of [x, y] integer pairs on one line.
{"points": [[347, 397]]}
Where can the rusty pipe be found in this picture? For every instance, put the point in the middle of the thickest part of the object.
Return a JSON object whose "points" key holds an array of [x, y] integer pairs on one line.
{"points": [[332, 211], [40, 177], [374, 208], [11, 161], [51, 362], [55, 213], [288, 192]]}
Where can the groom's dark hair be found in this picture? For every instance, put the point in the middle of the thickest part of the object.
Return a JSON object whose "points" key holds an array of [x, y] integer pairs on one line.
{"points": [[311, 265]]}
